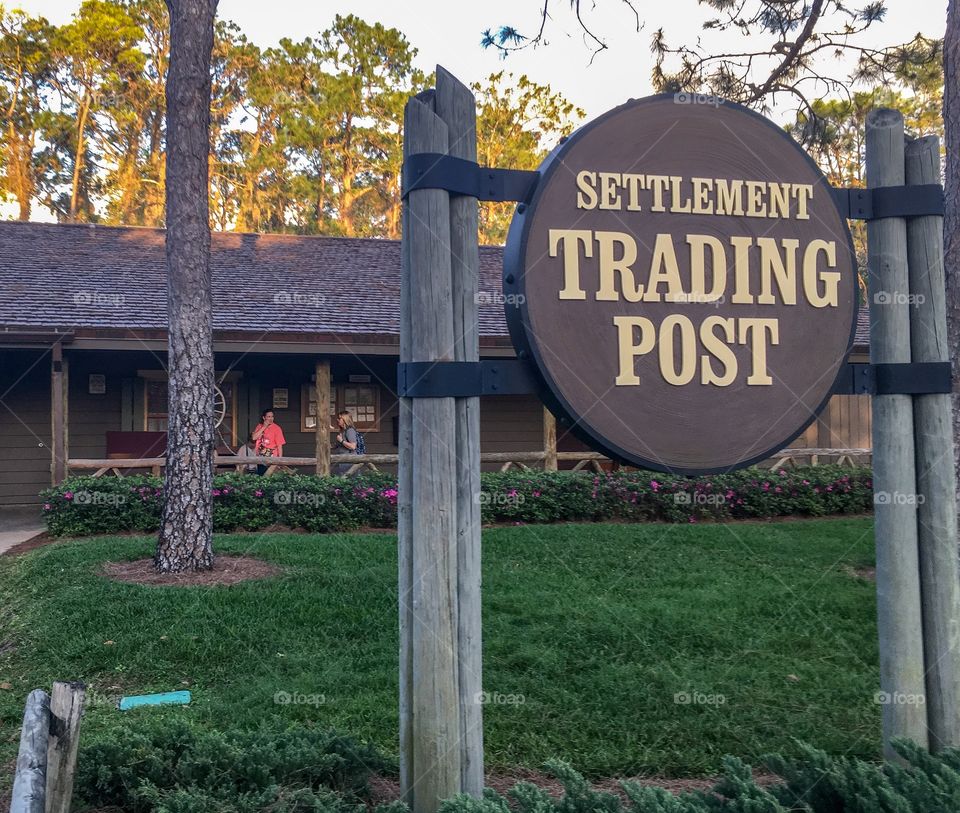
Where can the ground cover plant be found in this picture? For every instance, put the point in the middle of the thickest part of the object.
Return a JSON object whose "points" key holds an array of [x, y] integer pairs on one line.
{"points": [[87, 505], [623, 649]]}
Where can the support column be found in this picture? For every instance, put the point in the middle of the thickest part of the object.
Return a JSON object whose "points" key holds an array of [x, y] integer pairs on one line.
{"points": [[549, 441], [899, 622], [58, 415], [322, 432]]}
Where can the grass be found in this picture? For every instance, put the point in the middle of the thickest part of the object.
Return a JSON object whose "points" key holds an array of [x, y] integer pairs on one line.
{"points": [[597, 628]]}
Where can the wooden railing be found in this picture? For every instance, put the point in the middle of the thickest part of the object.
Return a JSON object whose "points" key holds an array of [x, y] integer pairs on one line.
{"points": [[508, 460]]}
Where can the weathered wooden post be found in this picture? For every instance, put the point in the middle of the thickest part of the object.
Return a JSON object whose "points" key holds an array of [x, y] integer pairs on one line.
{"points": [[29, 782], [456, 106], [894, 476], [549, 441], [66, 709], [936, 479], [322, 387]]}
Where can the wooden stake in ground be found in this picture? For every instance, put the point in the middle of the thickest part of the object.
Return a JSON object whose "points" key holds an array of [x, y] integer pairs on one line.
{"points": [[902, 687], [457, 107], [29, 782], [66, 709], [936, 477]]}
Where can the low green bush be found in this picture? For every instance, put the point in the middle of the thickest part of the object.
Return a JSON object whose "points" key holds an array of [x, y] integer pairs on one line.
{"points": [[814, 782], [176, 768], [83, 506]]}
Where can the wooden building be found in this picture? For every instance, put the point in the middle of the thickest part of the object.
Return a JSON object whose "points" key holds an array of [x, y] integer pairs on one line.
{"points": [[83, 349]]}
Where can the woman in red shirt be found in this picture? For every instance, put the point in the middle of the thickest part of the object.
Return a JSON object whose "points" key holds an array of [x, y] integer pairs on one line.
{"points": [[268, 438]]}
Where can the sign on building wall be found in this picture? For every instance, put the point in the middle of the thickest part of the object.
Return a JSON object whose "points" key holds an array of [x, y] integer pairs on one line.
{"points": [[684, 285]]}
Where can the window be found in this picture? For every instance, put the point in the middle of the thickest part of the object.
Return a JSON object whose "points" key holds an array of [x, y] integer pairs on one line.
{"points": [[361, 400], [156, 408]]}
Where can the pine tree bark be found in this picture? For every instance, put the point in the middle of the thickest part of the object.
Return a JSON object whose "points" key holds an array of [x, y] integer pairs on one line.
{"points": [[951, 220], [186, 531]]}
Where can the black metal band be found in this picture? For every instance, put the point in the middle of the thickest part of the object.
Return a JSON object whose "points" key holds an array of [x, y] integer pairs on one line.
{"points": [[463, 379], [913, 378], [916, 200], [432, 170]]}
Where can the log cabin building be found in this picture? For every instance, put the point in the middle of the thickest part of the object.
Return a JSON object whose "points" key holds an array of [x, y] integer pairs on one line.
{"points": [[83, 350]]}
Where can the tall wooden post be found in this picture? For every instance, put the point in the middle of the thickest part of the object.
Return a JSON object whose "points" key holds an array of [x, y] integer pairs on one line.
{"points": [[936, 478], [457, 107], [433, 700], [549, 441], [66, 709], [894, 472], [58, 415], [322, 386]]}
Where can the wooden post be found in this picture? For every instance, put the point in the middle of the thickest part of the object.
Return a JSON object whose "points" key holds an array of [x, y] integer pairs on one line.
{"points": [[29, 782], [457, 107], [58, 417], [436, 749], [936, 478], [66, 709], [549, 441], [894, 473], [322, 385]]}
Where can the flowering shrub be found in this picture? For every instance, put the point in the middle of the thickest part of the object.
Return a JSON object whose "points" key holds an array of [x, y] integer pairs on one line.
{"points": [[86, 505]]}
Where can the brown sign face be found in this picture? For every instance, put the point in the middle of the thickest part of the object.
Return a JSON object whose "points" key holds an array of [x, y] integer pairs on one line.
{"points": [[684, 285]]}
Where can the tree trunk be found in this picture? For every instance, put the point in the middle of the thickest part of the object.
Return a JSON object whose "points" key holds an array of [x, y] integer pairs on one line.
{"points": [[186, 532], [951, 221]]}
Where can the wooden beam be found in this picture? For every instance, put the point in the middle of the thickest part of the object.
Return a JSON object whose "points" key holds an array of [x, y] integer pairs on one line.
{"points": [[322, 385], [549, 441], [936, 477], [66, 709], [29, 781], [58, 419], [899, 622]]}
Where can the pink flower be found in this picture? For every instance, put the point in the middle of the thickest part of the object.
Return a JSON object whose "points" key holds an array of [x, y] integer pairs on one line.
{"points": [[654, 485], [216, 492], [693, 519], [47, 507], [806, 482], [258, 493], [766, 486], [783, 473], [536, 493], [777, 490], [68, 495]]}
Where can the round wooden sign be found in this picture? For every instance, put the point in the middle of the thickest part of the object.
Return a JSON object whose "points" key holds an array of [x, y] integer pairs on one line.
{"points": [[684, 285]]}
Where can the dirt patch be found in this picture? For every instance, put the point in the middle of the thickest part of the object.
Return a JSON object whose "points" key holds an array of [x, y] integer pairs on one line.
{"points": [[226, 570], [385, 789], [866, 573], [38, 541]]}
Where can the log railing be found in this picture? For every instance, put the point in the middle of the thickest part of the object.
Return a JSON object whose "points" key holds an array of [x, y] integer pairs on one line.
{"points": [[507, 460]]}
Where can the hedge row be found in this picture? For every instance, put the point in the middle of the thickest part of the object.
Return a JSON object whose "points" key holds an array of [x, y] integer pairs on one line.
{"points": [[83, 506]]}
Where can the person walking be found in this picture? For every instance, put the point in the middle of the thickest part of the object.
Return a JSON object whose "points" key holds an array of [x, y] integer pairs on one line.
{"points": [[349, 440]]}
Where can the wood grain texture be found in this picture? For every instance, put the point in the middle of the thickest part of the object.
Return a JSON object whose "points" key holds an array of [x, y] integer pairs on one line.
{"points": [[936, 477], [894, 472], [549, 441], [66, 709], [456, 106], [29, 782], [322, 385]]}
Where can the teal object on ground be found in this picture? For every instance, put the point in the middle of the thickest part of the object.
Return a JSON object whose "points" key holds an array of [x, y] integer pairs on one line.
{"points": [[165, 699]]}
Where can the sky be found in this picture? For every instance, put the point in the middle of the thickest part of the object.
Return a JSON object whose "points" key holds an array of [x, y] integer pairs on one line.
{"points": [[448, 33]]}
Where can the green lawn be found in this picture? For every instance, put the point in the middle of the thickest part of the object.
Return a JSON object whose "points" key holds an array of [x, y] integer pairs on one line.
{"points": [[597, 627]]}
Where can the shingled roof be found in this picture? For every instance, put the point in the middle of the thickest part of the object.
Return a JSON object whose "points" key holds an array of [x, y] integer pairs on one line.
{"points": [[70, 277], [84, 276]]}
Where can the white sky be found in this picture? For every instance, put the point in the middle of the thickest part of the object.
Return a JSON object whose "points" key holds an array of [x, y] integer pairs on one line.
{"points": [[448, 32]]}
